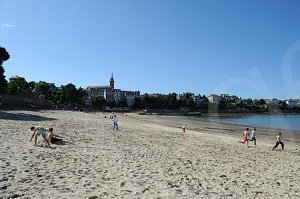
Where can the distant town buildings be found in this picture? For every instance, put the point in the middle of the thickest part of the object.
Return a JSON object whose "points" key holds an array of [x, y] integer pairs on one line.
{"points": [[198, 99], [111, 94], [115, 96], [293, 103], [213, 98]]}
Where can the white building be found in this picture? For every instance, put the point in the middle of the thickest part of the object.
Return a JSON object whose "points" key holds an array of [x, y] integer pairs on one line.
{"points": [[110, 94], [214, 98], [292, 103]]}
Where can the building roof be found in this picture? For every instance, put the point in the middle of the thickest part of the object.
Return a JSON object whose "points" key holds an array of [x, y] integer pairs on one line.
{"points": [[99, 87]]}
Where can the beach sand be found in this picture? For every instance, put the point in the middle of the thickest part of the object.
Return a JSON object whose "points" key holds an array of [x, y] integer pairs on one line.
{"points": [[149, 157]]}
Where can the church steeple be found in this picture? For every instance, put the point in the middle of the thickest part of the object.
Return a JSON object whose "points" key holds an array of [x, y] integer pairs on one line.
{"points": [[112, 81]]}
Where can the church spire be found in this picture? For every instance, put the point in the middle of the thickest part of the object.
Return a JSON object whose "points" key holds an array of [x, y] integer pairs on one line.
{"points": [[112, 81], [112, 76]]}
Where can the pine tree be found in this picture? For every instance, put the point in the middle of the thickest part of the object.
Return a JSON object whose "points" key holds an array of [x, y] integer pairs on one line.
{"points": [[3, 57]]}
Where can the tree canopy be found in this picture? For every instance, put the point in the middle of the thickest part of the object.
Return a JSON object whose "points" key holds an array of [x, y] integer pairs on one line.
{"points": [[4, 55], [17, 84], [98, 101]]}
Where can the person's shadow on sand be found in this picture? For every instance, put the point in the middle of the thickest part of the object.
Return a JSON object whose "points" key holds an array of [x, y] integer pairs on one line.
{"points": [[22, 117], [45, 146]]}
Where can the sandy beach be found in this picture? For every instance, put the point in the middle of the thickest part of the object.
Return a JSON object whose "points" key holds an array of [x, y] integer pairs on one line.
{"points": [[149, 157]]}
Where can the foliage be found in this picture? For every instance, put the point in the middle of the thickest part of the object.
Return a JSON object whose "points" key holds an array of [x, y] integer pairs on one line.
{"points": [[170, 101], [3, 82], [70, 95], [4, 55], [137, 103], [44, 88], [262, 102], [98, 101], [17, 84]]}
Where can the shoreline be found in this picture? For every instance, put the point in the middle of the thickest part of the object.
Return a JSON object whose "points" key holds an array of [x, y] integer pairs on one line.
{"points": [[206, 117], [244, 125], [200, 124]]}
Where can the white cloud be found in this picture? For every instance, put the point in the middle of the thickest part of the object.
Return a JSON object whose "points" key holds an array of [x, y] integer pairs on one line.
{"points": [[7, 25]]}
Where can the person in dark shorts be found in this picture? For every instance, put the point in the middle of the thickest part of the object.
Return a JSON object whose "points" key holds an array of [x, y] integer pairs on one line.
{"points": [[279, 141], [56, 139], [253, 136]]}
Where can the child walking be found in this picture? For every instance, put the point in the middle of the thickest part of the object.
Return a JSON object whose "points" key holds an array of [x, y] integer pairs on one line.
{"points": [[115, 120], [245, 137]]}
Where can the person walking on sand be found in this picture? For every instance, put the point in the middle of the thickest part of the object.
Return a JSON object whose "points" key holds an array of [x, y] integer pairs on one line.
{"points": [[183, 128], [245, 137], [279, 141], [115, 121], [253, 136]]}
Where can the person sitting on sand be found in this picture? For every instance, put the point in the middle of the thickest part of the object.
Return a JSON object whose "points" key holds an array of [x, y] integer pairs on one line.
{"points": [[37, 131], [253, 136], [56, 139], [245, 137], [279, 141]]}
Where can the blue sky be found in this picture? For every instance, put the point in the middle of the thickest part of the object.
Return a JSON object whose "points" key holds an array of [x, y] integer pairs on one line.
{"points": [[241, 47]]}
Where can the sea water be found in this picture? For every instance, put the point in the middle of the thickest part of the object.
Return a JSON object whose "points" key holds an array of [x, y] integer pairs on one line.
{"points": [[290, 122]]}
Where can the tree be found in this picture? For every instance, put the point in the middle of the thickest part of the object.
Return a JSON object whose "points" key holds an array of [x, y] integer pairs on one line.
{"points": [[222, 104], [16, 85], [80, 93], [283, 104], [3, 57], [189, 100], [31, 86], [146, 100], [44, 88], [69, 94], [262, 102], [137, 103], [172, 101], [98, 101]]}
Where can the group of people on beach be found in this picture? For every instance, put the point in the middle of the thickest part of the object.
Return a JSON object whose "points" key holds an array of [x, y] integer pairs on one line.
{"points": [[50, 137], [252, 135], [246, 134]]}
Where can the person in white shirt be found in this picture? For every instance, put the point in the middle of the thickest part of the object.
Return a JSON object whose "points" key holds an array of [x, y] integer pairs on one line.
{"points": [[115, 120], [253, 136], [183, 128]]}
